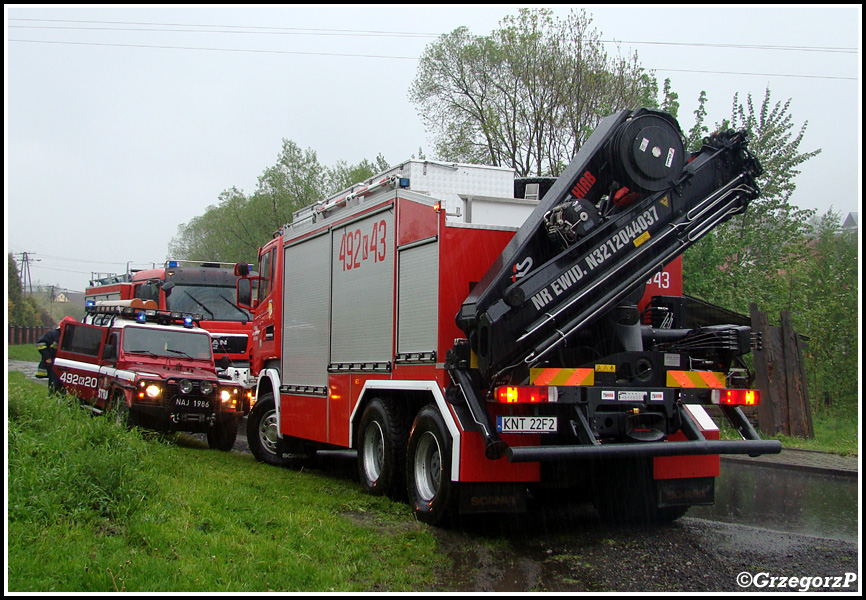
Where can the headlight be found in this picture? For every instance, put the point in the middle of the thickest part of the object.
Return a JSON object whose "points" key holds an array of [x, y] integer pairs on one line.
{"points": [[185, 386], [229, 395], [206, 388], [153, 390]]}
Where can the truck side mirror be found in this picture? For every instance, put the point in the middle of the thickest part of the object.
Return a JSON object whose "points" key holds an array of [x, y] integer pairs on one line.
{"points": [[245, 293]]}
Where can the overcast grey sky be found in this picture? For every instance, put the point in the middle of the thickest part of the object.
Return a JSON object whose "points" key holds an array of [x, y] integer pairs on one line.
{"points": [[123, 122]]}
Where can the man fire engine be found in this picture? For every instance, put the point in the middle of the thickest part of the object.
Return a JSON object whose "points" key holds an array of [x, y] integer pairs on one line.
{"points": [[153, 368], [548, 377], [207, 288]]}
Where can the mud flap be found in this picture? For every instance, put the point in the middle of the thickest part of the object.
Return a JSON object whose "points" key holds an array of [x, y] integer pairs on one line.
{"points": [[686, 492], [477, 498]]}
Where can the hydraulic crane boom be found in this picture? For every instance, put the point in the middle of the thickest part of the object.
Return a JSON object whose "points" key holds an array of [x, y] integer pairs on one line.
{"points": [[628, 204]]}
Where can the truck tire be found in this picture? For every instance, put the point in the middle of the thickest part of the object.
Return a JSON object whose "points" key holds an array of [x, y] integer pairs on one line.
{"points": [[222, 435], [624, 492], [262, 428], [123, 416], [381, 449], [431, 492]]}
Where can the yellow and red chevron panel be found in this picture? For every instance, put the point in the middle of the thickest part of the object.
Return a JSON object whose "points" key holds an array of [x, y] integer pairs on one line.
{"points": [[696, 379], [555, 376]]}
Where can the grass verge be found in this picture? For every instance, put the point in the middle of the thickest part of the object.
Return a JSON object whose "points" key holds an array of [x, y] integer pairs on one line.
{"points": [[836, 433], [96, 508], [25, 352]]}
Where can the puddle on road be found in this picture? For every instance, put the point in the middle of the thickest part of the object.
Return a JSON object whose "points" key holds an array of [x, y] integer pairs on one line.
{"points": [[786, 500]]}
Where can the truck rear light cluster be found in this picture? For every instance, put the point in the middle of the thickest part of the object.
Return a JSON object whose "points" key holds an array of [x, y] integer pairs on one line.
{"points": [[736, 397], [523, 394]]}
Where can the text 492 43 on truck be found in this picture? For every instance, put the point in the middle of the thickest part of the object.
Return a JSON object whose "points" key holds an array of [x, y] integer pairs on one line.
{"points": [[476, 338]]}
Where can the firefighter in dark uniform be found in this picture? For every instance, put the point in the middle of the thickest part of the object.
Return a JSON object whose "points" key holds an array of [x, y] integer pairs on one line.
{"points": [[47, 347]]}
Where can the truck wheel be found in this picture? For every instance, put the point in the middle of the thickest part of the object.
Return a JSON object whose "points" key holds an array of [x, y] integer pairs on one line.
{"points": [[262, 428], [624, 492], [381, 449], [122, 415], [431, 492], [222, 435]]}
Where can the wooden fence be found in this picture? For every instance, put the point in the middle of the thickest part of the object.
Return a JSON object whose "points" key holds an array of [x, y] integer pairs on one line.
{"points": [[780, 377]]}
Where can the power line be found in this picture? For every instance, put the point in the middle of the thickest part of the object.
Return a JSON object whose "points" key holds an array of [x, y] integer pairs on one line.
{"points": [[63, 270], [82, 260], [160, 47], [758, 74], [261, 29], [298, 32], [347, 55], [743, 46], [374, 33]]}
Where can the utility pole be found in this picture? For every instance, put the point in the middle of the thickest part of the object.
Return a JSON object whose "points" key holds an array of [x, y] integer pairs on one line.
{"points": [[26, 279]]}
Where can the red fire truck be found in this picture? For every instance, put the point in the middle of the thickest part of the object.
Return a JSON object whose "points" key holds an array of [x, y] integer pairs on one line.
{"points": [[207, 288], [153, 368], [477, 338]]}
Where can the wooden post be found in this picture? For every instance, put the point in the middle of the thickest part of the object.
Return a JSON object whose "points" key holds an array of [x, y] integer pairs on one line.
{"points": [[799, 411], [770, 376], [766, 418]]}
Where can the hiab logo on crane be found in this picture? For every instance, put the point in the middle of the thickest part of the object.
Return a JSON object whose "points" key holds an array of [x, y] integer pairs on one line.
{"points": [[583, 185]]}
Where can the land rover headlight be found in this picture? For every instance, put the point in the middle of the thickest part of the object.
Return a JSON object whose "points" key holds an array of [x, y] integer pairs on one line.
{"points": [[185, 386], [229, 396], [206, 388]]}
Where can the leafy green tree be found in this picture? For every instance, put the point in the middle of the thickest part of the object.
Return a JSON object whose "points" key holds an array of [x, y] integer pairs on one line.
{"points": [[823, 297], [698, 130], [343, 175], [670, 104], [782, 257], [526, 96], [296, 180], [739, 262], [235, 228]]}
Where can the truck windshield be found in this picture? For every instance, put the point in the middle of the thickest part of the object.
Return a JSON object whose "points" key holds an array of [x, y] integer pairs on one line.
{"points": [[212, 302], [166, 342]]}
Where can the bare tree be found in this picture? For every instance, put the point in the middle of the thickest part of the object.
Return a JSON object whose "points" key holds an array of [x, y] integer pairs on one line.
{"points": [[526, 96]]}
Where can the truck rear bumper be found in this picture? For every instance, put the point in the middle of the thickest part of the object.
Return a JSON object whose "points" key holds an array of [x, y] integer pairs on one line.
{"points": [[689, 448]]}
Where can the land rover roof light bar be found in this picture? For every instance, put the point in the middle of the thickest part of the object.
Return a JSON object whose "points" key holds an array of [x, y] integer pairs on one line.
{"points": [[142, 312]]}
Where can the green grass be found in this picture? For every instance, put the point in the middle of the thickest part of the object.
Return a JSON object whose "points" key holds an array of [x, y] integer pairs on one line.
{"points": [[26, 352], [834, 432], [96, 508]]}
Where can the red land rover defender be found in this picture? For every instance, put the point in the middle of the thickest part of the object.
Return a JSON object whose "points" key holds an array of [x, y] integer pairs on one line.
{"points": [[153, 368]]}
